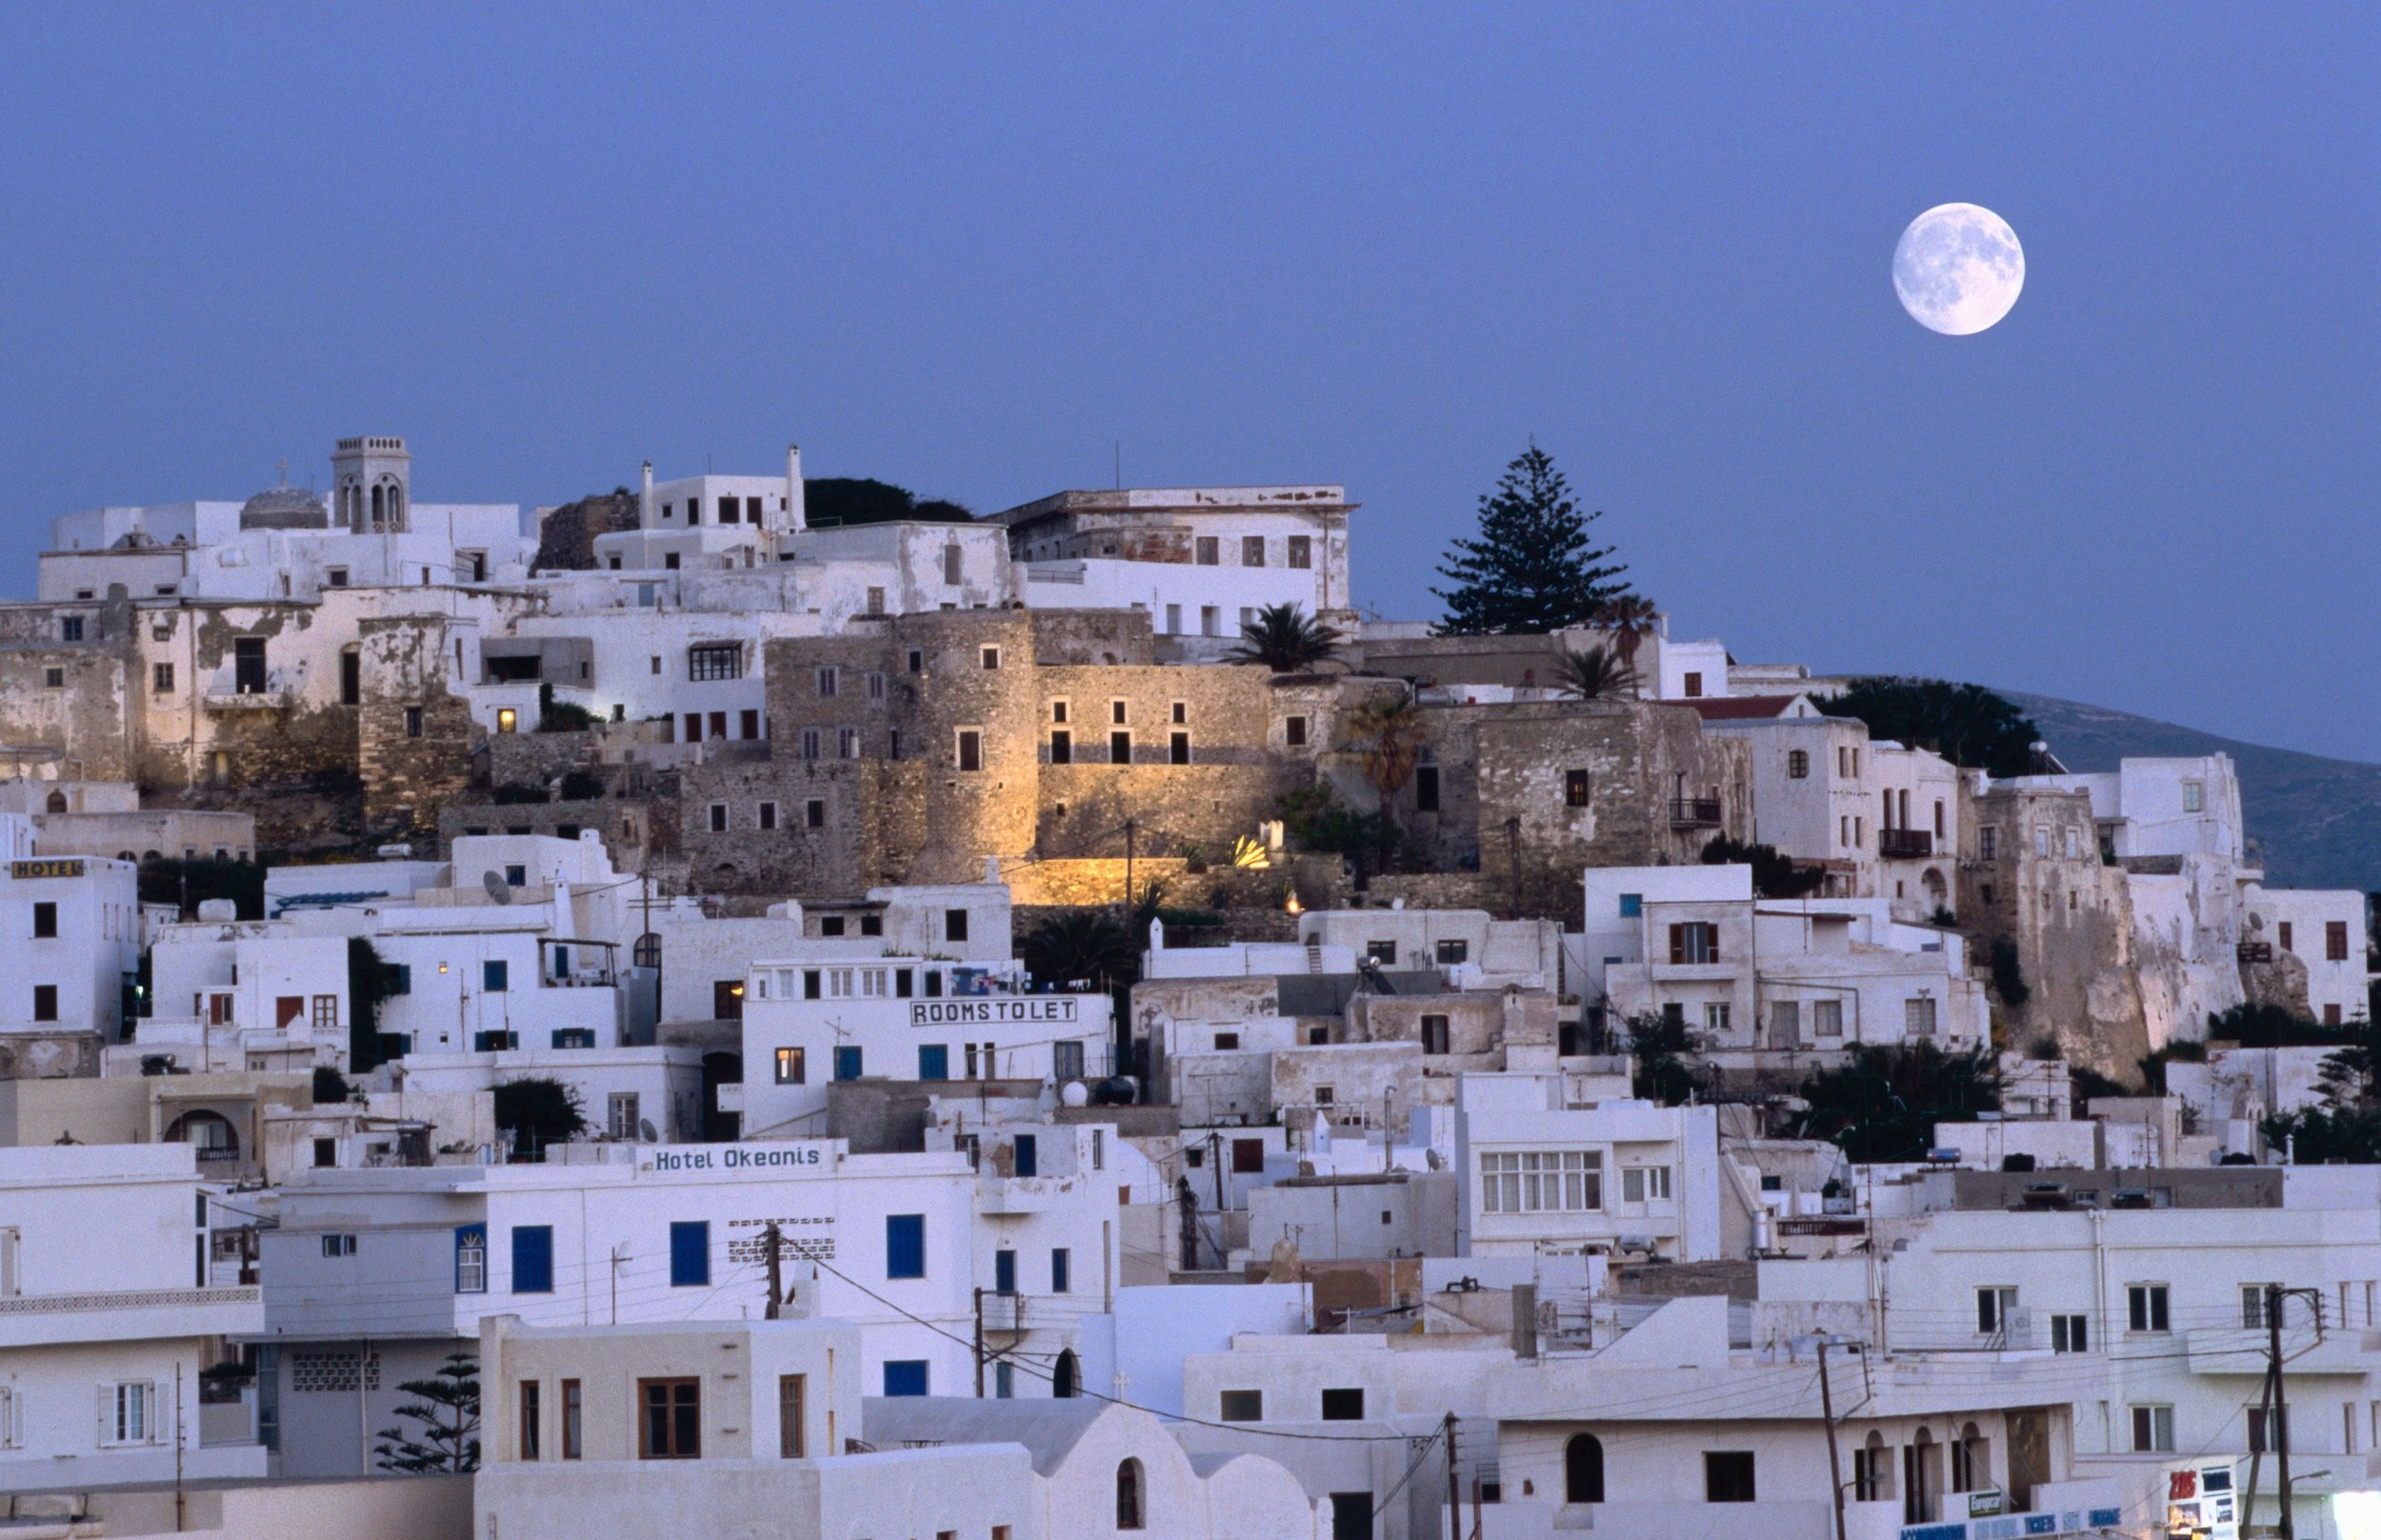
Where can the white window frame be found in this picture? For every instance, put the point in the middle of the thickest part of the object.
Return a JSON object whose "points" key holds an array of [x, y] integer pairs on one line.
{"points": [[1521, 1181], [130, 1412]]}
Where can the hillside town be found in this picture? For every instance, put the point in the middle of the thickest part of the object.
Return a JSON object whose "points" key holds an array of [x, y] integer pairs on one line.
{"points": [[1102, 1034]]}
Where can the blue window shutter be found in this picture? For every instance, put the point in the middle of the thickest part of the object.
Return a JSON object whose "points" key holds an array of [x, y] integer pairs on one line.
{"points": [[847, 1063], [533, 1259], [1028, 1155], [689, 1253], [905, 1377], [1060, 1281], [1004, 1272], [493, 977], [904, 1248], [933, 1061]]}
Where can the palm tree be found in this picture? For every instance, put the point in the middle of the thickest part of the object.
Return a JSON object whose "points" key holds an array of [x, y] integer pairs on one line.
{"points": [[1389, 734], [1596, 673], [1080, 944], [1285, 639], [1630, 617]]}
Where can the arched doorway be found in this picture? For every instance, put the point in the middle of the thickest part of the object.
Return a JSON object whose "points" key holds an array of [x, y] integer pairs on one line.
{"points": [[719, 1070], [1064, 1375], [1922, 1478], [1971, 1461], [211, 1132], [1583, 1468]]}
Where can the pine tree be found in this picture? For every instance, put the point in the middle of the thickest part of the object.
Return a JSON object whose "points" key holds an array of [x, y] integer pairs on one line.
{"points": [[449, 1413], [1532, 567]]}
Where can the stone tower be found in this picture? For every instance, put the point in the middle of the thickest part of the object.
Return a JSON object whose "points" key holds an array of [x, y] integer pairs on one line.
{"points": [[371, 482]]}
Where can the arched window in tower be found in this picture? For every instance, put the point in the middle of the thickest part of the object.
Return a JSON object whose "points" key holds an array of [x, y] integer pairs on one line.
{"points": [[1583, 1468], [1128, 1495], [396, 506], [378, 516]]}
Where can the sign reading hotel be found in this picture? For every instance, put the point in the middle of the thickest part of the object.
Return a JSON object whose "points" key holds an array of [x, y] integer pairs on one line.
{"points": [[25, 871], [789, 1158], [991, 1013]]}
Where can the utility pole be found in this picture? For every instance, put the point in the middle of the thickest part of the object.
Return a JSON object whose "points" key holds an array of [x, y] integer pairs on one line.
{"points": [[1454, 1492], [772, 1239], [179, 1512], [2278, 1426], [1128, 849], [2257, 1456], [1215, 1158], [1826, 1412], [979, 1342]]}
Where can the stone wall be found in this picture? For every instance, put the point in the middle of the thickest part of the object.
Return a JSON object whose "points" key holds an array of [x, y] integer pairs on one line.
{"points": [[565, 540], [410, 774], [2071, 919], [49, 1055], [1505, 781]]}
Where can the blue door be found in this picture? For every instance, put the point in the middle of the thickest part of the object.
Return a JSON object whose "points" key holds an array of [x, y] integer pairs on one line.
{"points": [[847, 1063], [1004, 1272], [933, 1061], [1028, 1161]]}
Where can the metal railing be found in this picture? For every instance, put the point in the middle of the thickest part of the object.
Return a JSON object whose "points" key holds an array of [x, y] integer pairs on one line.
{"points": [[1905, 844], [1694, 812]]}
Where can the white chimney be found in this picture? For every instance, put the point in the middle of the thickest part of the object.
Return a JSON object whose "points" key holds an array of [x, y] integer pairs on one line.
{"points": [[644, 500], [794, 522]]}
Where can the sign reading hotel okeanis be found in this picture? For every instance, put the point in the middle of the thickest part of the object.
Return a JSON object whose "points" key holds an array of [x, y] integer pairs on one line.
{"points": [[991, 1012], [786, 1158]]}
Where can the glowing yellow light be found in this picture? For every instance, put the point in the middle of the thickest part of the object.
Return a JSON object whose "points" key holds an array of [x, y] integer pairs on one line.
{"points": [[506, 718], [1292, 906]]}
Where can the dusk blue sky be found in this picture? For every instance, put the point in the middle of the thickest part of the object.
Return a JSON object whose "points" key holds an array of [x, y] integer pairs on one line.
{"points": [[969, 249]]}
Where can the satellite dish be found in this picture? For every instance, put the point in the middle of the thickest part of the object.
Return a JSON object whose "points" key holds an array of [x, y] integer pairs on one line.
{"points": [[645, 1130], [498, 890]]}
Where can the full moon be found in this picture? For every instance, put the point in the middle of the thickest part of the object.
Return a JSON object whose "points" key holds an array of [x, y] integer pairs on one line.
{"points": [[1958, 268]]}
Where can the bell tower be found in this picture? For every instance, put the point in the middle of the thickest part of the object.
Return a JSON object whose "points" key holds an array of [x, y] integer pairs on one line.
{"points": [[372, 484]]}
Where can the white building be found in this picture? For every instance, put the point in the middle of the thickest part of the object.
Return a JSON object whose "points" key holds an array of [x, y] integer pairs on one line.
{"points": [[2168, 1304], [1764, 981], [252, 994], [842, 1010], [645, 1428], [374, 1275], [287, 541], [74, 925], [2325, 932], [1881, 819], [1201, 560], [1647, 1419], [105, 1300], [1469, 948], [1538, 1175]]}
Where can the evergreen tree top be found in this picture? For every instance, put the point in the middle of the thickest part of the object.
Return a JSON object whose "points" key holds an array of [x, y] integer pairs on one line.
{"points": [[1532, 567]]}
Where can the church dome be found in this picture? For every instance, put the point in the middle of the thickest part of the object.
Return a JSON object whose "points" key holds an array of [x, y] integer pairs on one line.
{"points": [[285, 508]]}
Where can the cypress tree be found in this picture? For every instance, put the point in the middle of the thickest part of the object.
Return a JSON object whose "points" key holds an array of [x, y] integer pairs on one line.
{"points": [[1532, 567]]}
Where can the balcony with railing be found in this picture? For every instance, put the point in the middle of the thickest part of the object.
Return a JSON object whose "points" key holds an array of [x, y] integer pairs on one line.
{"points": [[129, 1314], [1905, 844], [1694, 812]]}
